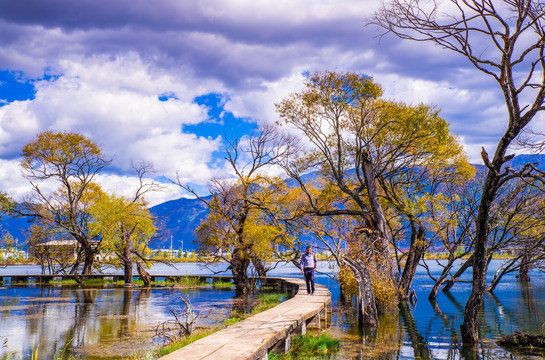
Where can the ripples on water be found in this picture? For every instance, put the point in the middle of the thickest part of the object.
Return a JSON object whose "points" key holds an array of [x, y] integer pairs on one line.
{"points": [[97, 322], [430, 330], [115, 319]]}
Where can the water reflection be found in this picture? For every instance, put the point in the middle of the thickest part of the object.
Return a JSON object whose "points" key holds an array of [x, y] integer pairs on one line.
{"points": [[94, 322], [431, 329]]}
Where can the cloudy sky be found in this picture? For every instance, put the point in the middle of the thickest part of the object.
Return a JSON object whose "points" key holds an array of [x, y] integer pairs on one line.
{"points": [[166, 81]]}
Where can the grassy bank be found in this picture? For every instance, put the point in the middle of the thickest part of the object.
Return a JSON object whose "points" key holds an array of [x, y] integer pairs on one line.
{"points": [[199, 334], [309, 346]]}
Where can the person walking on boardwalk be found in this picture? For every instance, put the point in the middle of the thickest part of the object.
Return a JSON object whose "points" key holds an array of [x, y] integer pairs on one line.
{"points": [[308, 265]]}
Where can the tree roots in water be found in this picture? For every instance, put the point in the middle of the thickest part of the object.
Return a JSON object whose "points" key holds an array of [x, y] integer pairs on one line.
{"points": [[523, 343]]}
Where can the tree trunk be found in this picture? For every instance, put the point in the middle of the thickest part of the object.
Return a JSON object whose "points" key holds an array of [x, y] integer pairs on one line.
{"points": [[144, 275], [441, 280], [465, 265], [77, 263], [128, 271], [366, 296], [259, 266], [524, 269], [475, 301], [480, 261], [89, 260], [506, 267], [383, 245], [127, 264], [239, 269], [416, 251]]}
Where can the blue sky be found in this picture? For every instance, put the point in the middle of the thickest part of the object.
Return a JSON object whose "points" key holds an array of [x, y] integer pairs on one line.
{"points": [[166, 81], [14, 88]]}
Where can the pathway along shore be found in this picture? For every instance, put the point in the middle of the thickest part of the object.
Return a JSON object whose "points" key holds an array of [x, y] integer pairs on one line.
{"points": [[269, 330]]}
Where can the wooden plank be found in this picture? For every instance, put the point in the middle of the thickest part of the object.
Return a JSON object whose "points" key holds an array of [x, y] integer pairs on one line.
{"points": [[252, 338]]}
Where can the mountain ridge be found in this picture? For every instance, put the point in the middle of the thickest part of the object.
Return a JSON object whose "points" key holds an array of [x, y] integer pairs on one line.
{"points": [[177, 219]]}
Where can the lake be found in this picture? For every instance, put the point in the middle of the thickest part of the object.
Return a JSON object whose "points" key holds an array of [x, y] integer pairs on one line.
{"points": [[100, 322]]}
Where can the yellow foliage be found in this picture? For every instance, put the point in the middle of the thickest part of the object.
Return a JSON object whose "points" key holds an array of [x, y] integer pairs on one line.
{"points": [[51, 149], [386, 294], [122, 223], [348, 281], [244, 217]]}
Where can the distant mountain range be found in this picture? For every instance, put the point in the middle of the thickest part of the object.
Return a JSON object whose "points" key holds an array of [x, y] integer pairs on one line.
{"points": [[179, 218]]}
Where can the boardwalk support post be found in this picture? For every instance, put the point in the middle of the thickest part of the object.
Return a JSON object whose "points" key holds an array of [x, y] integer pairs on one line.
{"points": [[283, 346], [301, 329], [314, 322]]}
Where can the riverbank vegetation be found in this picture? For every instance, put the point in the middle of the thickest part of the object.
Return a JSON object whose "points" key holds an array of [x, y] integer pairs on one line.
{"points": [[182, 282], [309, 346]]}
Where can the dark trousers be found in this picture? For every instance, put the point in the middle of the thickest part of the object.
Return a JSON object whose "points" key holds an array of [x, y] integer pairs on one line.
{"points": [[309, 278]]}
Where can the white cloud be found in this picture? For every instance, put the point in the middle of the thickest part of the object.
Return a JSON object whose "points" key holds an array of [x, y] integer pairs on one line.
{"points": [[115, 103], [259, 103], [12, 180], [127, 186], [114, 63]]}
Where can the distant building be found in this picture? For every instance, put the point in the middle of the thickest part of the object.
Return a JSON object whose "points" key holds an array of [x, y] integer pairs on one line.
{"points": [[70, 246], [12, 253]]}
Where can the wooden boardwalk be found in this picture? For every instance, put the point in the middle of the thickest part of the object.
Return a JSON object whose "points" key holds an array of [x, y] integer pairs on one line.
{"points": [[269, 330], [45, 279]]}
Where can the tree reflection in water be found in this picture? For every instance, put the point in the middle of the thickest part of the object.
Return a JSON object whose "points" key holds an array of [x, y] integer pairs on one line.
{"points": [[431, 329], [91, 322], [95, 321]]}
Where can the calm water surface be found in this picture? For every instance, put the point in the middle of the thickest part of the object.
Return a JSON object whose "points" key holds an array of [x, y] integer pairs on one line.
{"points": [[100, 322]]}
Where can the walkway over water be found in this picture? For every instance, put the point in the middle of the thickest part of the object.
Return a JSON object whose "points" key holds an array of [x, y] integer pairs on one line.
{"points": [[45, 279], [269, 330]]}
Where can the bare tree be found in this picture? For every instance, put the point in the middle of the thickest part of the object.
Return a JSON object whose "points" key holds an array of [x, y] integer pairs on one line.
{"points": [[453, 224], [505, 40], [50, 249], [412, 193], [183, 324], [241, 205]]}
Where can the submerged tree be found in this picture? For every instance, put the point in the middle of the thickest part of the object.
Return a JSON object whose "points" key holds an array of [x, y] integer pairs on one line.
{"points": [[367, 148], [502, 39], [451, 219], [515, 227]]}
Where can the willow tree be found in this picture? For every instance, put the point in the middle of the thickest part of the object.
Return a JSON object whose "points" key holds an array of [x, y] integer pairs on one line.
{"points": [[365, 147], [125, 227], [72, 161], [506, 41], [416, 182]]}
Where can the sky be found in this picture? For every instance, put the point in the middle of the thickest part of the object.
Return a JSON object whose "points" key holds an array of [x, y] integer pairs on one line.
{"points": [[168, 81]]}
